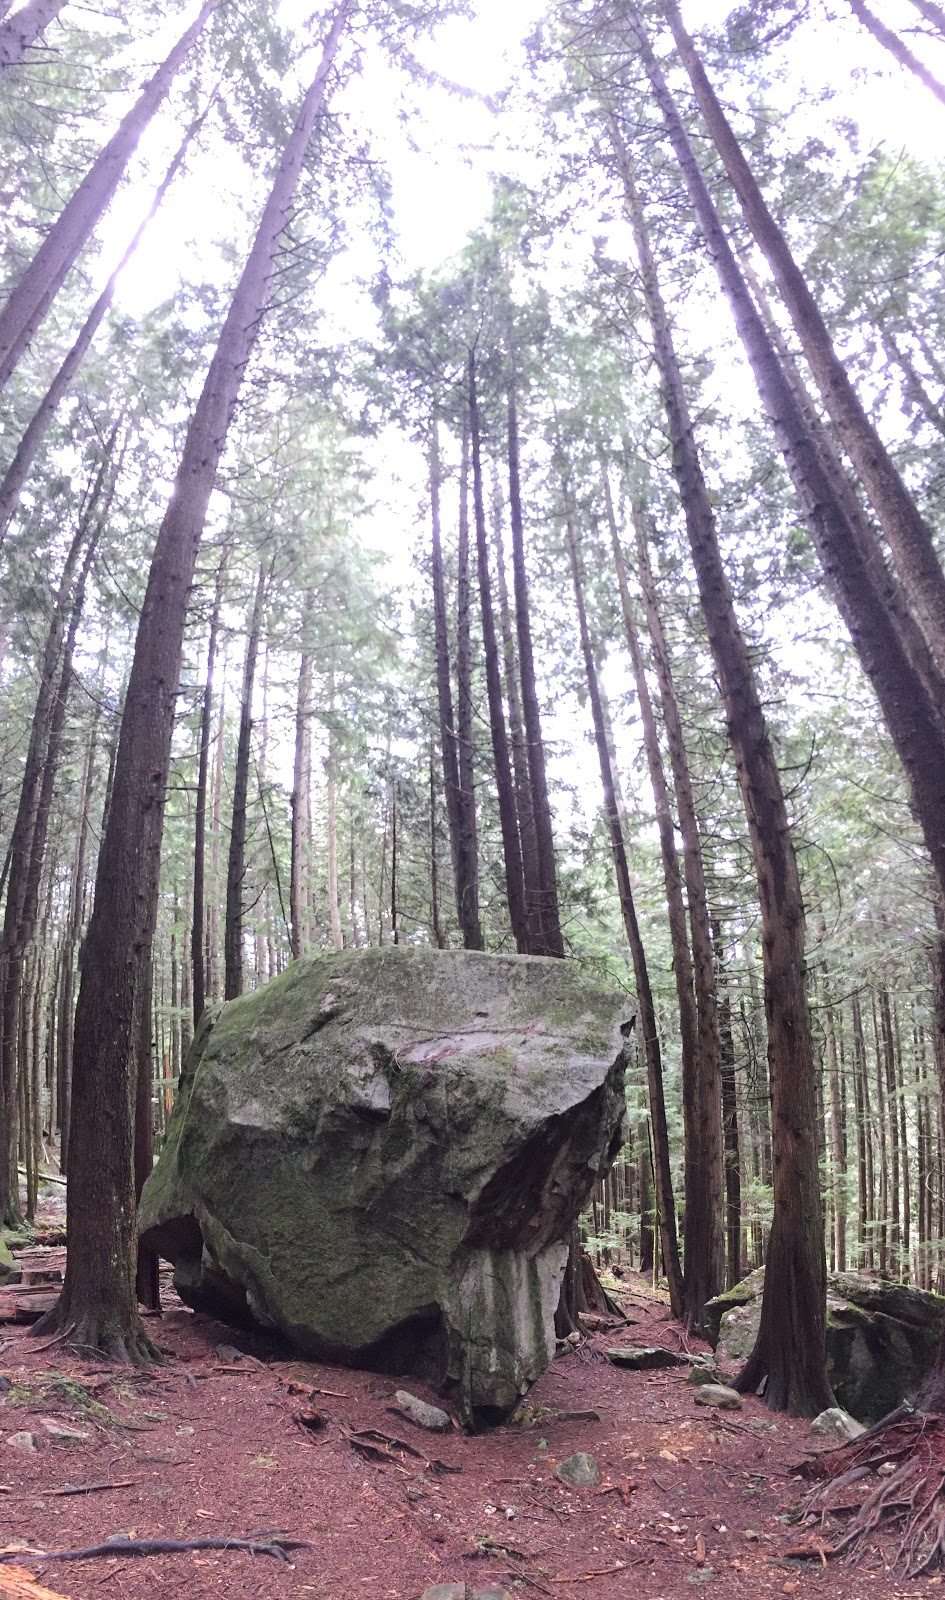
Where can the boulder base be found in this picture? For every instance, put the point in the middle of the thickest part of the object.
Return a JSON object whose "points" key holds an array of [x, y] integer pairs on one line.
{"points": [[882, 1338], [382, 1154]]}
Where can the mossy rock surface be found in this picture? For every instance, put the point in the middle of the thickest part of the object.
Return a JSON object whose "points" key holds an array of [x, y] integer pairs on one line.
{"points": [[9, 1271], [382, 1152], [882, 1337]]}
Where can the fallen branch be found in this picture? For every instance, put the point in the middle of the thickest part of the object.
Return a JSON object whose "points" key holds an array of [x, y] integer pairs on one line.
{"points": [[596, 1572], [122, 1546], [370, 1441]]}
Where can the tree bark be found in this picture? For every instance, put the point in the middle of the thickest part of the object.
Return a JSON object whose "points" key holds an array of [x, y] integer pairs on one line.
{"points": [[465, 718], [548, 940], [524, 806], [331, 807], [897, 48], [97, 1302], [514, 880], [236, 859], [789, 1358], [703, 1231], [933, 14], [197, 948], [26, 452], [449, 737], [301, 793], [40, 283], [25, 27], [648, 1024], [909, 535]]}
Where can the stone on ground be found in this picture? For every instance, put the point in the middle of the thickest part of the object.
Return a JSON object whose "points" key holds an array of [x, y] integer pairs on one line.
{"points": [[706, 1372], [424, 1415], [835, 1423], [642, 1358], [9, 1269], [381, 1153], [718, 1395], [580, 1471], [21, 1441]]}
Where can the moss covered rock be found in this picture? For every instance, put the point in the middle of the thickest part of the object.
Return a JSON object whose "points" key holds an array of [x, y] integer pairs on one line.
{"points": [[382, 1153], [882, 1337], [9, 1271]]}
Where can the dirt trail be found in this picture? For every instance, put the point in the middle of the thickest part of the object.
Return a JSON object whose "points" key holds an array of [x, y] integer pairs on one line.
{"points": [[689, 1499]]}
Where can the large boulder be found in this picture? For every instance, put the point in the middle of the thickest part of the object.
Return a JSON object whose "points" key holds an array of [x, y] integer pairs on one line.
{"points": [[882, 1337], [382, 1153]]}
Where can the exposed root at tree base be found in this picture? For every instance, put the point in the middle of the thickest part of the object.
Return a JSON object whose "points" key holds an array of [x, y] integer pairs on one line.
{"points": [[92, 1336], [889, 1482]]}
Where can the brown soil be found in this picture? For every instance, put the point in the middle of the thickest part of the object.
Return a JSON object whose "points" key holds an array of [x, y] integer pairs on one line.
{"points": [[690, 1499]]}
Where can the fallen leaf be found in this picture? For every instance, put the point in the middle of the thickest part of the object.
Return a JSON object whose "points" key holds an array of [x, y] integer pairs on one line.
{"points": [[667, 1455], [18, 1584]]}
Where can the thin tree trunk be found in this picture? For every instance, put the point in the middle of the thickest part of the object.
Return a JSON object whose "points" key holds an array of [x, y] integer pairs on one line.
{"points": [[549, 941], [908, 533], [200, 819], [524, 806], [18, 470], [733, 1163], [463, 870], [43, 278], [301, 793], [236, 860], [789, 1358], [25, 27], [703, 1233], [331, 806], [648, 1025], [97, 1301], [147, 1281], [436, 925], [897, 48], [932, 13], [465, 717], [514, 880]]}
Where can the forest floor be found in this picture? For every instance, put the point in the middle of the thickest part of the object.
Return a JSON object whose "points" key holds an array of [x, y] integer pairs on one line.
{"points": [[214, 1445]]}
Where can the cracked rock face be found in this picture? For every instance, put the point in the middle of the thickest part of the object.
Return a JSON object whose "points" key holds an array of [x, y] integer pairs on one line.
{"points": [[382, 1153]]}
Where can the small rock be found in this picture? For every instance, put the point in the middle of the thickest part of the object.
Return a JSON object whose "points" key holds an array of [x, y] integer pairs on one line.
{"points": [[718, 1395], [704, 1372], [425, 1416], [62, 1431], [835, 1423], [227, 1352], [491, 1591], [21, 1441], [577, 1416], [579, 1471], [445, 1591], [640, 1358], [5, 1384]]}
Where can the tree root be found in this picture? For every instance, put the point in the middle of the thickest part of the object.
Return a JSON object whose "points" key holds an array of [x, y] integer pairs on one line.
{"points": [[259, 1545], [899, 1472], [91, 1336]]}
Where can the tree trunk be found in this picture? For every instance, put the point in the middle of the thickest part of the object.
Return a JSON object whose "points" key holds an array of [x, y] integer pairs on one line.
{"points": [[449, 739], [472, 935], [897, 49], [933, 14], [703, 1233], [198, 965], [331, 807], [648, 1025], [25, 27], [299, 864], [18, 470], [908, 533], [733, 1161], [514, 880], [789, 1358], [27, 840], [524, 806], [236, 860], [97, 1302], [547, 940], [43, 278]]}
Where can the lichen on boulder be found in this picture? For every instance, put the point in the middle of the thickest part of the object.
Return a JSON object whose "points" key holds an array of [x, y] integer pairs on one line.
{"points": [[382, 1154]]}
